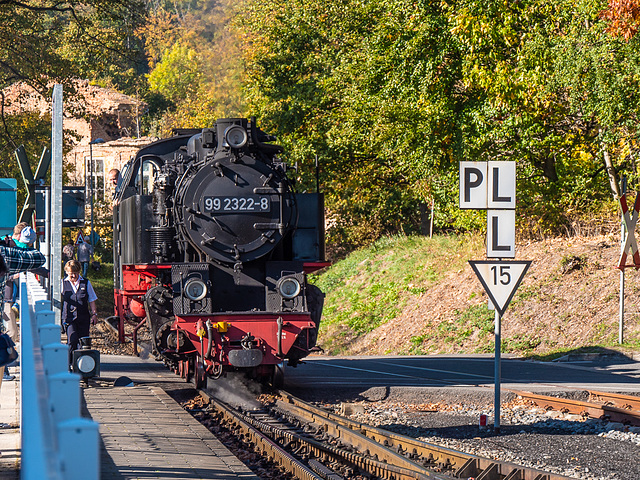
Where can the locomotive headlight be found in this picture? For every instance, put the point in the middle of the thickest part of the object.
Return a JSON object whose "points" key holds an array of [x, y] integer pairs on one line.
{"points": [[235, 136], [288, 287], [195, 289]]}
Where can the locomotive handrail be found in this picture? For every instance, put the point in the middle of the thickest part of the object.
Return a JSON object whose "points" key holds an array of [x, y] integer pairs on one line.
{"points": [[56, 443]]}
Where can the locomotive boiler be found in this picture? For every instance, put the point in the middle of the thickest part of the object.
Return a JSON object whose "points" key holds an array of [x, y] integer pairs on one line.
{"points": [[212, 246]]}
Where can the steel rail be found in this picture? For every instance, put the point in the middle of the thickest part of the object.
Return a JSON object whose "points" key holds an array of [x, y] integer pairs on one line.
{"points": [[577, 407], [422, 454], [374, 466], [266, 445], [376, 460], [628, 402], [259, 431]]}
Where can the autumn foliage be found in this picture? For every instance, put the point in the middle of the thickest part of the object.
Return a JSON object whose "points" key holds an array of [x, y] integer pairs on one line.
{"points": [[388, 95], [624, 18]]}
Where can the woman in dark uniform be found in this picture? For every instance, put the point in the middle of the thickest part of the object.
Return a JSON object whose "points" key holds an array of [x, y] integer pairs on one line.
{"points": [[78, 306]]}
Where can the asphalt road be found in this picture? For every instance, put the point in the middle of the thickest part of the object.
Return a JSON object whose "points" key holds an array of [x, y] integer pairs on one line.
{"points": [[618, 374], [411, 377]]}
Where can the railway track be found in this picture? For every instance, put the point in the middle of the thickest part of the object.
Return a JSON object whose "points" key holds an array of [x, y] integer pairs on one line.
{"points": [[603, 405], [311, 443]]}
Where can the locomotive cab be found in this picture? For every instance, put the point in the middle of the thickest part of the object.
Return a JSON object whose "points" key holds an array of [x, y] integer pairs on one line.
{"points": [[211, 249]]}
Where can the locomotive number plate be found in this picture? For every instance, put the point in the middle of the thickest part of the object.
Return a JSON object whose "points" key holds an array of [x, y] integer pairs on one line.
{"points": [[237, 204]]}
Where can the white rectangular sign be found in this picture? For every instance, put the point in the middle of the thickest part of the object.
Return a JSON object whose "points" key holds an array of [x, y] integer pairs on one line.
{"points": [[502, 185], [488, 185], [501, 233], [473, 185]]}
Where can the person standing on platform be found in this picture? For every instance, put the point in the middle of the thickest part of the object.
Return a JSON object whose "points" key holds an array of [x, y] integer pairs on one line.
{"points": [[114, 178], [8, 315], [84, 256], [79, 309], [68, 252], [15, 260], [25, 240]]}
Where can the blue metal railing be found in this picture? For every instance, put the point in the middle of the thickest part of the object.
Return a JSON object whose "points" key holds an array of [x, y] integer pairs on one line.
{"points": [[56, 443]]}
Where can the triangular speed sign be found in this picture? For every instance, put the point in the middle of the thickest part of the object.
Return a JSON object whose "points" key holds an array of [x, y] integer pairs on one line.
{"points": [[500, 279]]}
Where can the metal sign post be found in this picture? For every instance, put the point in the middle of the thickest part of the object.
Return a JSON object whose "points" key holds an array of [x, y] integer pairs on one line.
{"points": [[629, 246], [500, 280], [621, 299], [497, 373], [56, 201], [491, 186]]}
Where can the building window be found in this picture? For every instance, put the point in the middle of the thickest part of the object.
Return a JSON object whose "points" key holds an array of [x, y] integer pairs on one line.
{"points": [[99, 191]]}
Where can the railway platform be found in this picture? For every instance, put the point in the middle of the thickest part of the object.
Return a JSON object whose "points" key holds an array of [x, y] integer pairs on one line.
{"points": [[145, 433], [10, 426]]}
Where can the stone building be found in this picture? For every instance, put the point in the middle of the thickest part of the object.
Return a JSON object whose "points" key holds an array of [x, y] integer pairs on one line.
{"points": [[103, 117]]}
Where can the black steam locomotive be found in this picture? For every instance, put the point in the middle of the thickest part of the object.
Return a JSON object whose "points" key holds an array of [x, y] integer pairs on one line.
{"points": [[211, 251]]}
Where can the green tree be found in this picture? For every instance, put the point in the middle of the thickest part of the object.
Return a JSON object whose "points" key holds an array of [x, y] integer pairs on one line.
{"points": [[51, 41], [404, 90], [372, 89], [196, 65], [176, 75]]}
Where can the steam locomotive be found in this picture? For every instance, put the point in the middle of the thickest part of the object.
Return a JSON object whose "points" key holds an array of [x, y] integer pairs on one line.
{"points": [[212, 246]]}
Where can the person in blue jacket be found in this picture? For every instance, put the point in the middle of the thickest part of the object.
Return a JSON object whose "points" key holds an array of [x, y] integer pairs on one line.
{"points": [[85, 251], [79, 309], [15, 260]]}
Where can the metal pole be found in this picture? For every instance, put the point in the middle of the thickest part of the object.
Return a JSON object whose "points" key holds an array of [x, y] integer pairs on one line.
{"points": [[623, 238], [56, 201], [623, 241], [91, 186], [497, 374], [317, 175], [433, 203], [47, 233]]}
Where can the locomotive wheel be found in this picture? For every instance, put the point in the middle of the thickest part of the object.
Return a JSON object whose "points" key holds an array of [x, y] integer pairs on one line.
{"points": [[200, 375]]}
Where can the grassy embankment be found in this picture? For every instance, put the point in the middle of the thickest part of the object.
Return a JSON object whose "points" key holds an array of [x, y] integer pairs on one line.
{"points": [[415, 295], [373, 285]]}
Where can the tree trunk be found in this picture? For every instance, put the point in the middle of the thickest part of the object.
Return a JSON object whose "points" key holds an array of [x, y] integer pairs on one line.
{"points": [[611, 173]]}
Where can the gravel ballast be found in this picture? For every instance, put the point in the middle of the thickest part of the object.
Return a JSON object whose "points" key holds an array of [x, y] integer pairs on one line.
{"points": [[565, 444]]}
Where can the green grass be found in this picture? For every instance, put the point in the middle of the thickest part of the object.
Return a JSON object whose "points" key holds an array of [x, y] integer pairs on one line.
{"points": [[372, 285], [102, 282], [561, 352], [522, 344]]}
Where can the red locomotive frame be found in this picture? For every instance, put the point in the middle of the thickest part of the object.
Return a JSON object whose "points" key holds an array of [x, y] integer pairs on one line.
{"points": [[275, 334]]}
